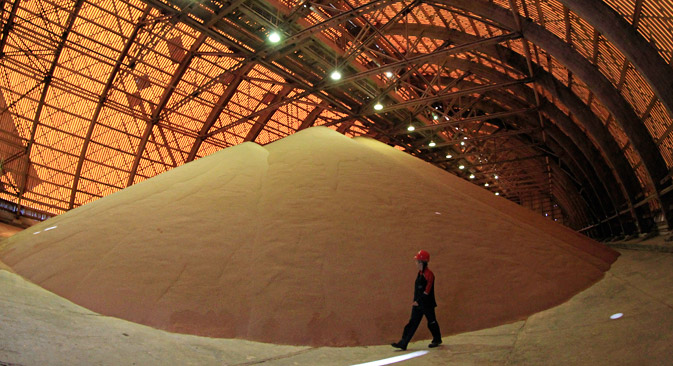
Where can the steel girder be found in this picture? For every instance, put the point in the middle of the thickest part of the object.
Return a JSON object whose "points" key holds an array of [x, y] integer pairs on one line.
{"points": [[264, 118], [312, 116], [615, 158], [101, 102], [558, 46], [592, 162], [8, 27], [609, 96], [575, 132], [584, 159], [163, 101], [159, 110], [459, 121], [221, 103], [77, 6], [565, 178], [599, 163]]}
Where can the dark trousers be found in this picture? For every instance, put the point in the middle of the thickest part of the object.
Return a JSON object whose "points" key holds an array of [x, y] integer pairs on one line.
{"points": [[417, 313]]}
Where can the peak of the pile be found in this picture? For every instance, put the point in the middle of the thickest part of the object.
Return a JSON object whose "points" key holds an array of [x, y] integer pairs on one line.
{"points": [[307, 240]]}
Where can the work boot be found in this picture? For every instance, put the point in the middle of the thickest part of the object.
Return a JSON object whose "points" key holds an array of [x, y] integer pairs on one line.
{"points": [[399, 345]]}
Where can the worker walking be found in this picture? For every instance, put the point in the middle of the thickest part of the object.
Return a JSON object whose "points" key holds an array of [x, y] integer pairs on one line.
{"points": [[424, 304]]}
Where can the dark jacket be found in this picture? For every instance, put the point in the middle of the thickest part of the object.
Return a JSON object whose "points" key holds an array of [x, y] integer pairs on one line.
{"points": [[424, 290]]}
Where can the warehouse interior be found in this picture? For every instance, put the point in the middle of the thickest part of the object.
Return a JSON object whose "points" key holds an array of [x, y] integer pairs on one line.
{"points": [[155, 119]]}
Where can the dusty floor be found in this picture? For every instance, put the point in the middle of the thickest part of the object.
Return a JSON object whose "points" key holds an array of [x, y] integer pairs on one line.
{"points": [[38, 328]]}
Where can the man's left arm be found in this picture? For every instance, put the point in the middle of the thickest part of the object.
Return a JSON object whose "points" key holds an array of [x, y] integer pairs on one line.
{"points": [[430, 278]]}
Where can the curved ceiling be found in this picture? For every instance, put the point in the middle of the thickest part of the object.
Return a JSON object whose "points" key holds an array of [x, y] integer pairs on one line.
{"points": [[563, 106]]}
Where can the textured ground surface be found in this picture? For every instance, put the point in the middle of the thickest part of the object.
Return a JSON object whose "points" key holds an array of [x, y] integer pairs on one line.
{"points": [[38, 328], [306, 241]]}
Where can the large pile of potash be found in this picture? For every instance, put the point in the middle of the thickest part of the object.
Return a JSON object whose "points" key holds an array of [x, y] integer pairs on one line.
{"points": [[308, 240]]}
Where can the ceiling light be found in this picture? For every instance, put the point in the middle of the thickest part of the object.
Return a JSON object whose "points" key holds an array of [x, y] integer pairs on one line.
{"points": [[449, 156], [411, 128], [497, 193], [335, 75], [462, 143], [471, 176], [485, 184], [378, 106], [274, 37], [435, 117], [432, 144], [389, 74], [461, 167], [495, 176]]}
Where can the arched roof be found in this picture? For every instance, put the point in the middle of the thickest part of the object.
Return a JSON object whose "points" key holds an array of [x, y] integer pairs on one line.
{"points": [[567, 102]]}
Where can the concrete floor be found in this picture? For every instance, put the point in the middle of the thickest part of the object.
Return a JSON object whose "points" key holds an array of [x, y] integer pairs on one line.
{"points": [[38, 328]]}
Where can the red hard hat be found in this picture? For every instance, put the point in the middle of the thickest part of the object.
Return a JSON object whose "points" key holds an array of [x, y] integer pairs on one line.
{"points": [[422, 256]]}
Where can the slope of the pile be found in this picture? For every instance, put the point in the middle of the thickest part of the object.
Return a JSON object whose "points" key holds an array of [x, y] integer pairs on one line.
{"points": [[307, 240], [5, 267]]}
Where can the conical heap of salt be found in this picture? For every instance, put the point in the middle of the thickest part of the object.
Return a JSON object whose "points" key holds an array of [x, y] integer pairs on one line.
{"points": [[308, 240]]}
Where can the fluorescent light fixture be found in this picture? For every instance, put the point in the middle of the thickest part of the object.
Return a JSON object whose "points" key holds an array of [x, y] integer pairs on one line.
{"points": [[411, 128], [391, 360], [378, 106], [432, 144], [274, 37], [616, 316], [335, 75]]}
